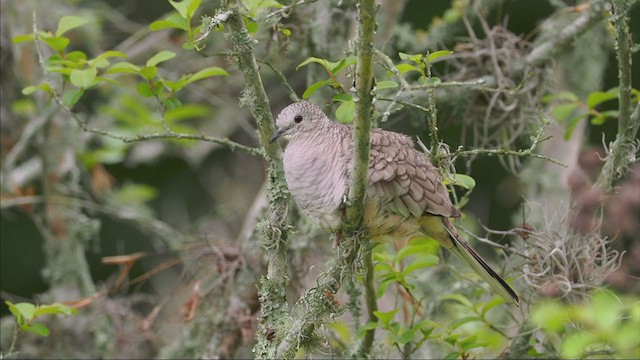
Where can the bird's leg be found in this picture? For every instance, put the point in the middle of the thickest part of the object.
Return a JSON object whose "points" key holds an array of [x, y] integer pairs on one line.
{"points": [[342, 210]]}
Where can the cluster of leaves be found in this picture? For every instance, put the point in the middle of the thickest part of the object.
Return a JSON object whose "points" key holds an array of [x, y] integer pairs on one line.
{"points": [[26, 314], [84, 73], [606, 325], [570, 110], [345, 112], [181, 20]]}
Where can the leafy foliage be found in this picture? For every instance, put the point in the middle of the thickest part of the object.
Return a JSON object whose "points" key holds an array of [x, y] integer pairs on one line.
{"points": [[26, 314]]}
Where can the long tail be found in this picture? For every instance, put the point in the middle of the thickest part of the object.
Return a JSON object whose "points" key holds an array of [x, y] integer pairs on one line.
{"points": [[461, 249]]}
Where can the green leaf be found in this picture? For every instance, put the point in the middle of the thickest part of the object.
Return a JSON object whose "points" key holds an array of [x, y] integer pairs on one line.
{"points": [[344, 63], [598, 97], [465, 181], [36, 329], [342, 97], [403, 68], [207, 72], [416, 58], [325, 63], [458, 298], [346, 112], [172, 103], [162, 56], [492, 303], [16, 312], [387, 84], [403, 338], [69, 22], [74, 57], [144, 89], [438, 54], [26, 310], [181, 6], [314, 87], [385, 317], [550, 316], [574, 345], [123, 67], [55, 308], [286, 32], [563, 111], [571, 125], [192, 7], [83, 78], [23, 38], [561, 96], [252, 26], [148, 72], [29, 90], [56, 43], [463, 320], [71, 97], [173, 21], [422, 262]]}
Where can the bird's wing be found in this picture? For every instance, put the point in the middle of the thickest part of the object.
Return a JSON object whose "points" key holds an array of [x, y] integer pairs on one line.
{"points": [[404, 180]]}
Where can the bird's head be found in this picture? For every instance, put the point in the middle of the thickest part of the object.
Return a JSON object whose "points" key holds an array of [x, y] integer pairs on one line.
{"points": [[299, 118]]}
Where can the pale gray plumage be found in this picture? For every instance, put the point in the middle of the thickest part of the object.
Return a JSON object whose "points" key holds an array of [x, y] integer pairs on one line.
{"points": [[405, 195]]}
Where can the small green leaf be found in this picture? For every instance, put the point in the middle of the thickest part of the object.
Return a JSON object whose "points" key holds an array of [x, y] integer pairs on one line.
{"points": [[172, 103], [144, 89], [23, 38], [550, 316], [252, 27], [162, 56], [26, 310], [412, 250], [344, 63], [16, 312], [56, 43], [173, 21], [571, 125], [465, 181], [69, 22], [29, 90], [36, 329], [314, 87], [74, 56], [463, 320], [346, 112], [438, 54], [254, 5], [192, 7], [71, 97], [55, 308], [563, 111], [403, 338], [123, 67], [148, 72], [561, 96], [342, 97], [385, 317], [181, 6], [387, 84], [422, 262], [403, 68], [323, 62], [286, 32], [416, 58], [492, 303], [83, 78], [207, 72], [458, 298], [598, 97]]}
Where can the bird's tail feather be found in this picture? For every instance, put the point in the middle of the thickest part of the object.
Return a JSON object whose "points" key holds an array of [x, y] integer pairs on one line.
{"points": [[462, 250]]}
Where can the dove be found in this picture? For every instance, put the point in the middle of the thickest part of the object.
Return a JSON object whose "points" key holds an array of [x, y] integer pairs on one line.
{"points": [[405, 195]]}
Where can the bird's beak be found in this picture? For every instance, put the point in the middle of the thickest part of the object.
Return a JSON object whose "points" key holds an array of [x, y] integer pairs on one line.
{"points": [[279, 132]]}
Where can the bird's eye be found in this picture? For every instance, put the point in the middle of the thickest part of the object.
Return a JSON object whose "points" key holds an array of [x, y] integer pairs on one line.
{"points": [[297, 119]]}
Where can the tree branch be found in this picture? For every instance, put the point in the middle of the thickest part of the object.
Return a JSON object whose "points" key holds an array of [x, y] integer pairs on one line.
{"points": [[622, 150], [274, 232]]}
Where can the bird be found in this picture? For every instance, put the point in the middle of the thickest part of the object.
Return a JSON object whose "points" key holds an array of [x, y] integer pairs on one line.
{"points": [[405, 195]]}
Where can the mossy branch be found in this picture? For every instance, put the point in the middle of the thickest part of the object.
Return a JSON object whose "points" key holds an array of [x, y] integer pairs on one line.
{"points": [[622, 150], [274, 231]]}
